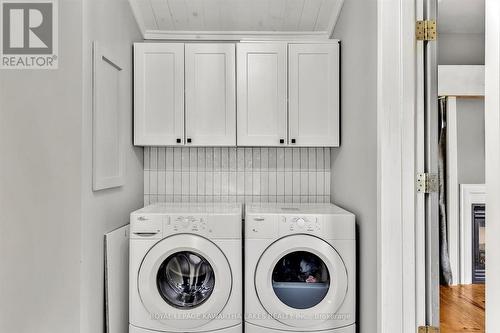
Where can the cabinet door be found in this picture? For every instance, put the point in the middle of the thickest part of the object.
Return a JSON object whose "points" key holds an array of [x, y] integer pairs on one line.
{"points": [[210, 95], [314, 94], [262, 80], [159, 94]]}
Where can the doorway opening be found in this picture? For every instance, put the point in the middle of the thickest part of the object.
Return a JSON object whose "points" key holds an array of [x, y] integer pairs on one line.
{"points": [[461, 58]]}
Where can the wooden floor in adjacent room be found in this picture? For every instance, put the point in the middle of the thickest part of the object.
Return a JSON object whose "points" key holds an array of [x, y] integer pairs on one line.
{"points": [[462, 308]]}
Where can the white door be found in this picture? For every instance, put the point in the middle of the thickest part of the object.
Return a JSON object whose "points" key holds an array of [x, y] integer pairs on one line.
{"points": [[262, 96], [184, 281], [158, 94], [296, 299], [210, 95], [314, 94]]}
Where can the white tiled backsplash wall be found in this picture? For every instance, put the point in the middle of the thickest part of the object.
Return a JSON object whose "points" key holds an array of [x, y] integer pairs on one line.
{"points": [[236, 175]]}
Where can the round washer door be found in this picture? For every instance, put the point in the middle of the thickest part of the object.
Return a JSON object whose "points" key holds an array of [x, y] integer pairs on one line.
{"points": [[301, 281], [184, 281]]}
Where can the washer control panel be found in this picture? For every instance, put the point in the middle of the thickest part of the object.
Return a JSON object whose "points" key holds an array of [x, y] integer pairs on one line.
{"points": [[223, 226], [299, 224], [188, 223]]}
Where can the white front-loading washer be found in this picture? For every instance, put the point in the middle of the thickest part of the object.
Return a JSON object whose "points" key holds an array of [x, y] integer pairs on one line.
{"points": [[186, 268], [300, 268]]}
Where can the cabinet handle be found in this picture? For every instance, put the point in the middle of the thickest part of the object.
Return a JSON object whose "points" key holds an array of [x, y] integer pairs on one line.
{"points": [[282, 141], [178, 140], [189, 140], [293, 140]]}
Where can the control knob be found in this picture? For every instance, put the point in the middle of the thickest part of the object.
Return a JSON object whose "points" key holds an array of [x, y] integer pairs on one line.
{"points": [[185, 222]]}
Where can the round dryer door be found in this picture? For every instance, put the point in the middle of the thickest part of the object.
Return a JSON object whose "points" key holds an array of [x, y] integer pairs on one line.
{"points": [[301, 281], [184, 281]]}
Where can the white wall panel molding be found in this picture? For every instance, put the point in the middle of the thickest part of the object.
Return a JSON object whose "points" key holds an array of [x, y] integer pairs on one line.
{"points": [[293, 175], [108, 159]]}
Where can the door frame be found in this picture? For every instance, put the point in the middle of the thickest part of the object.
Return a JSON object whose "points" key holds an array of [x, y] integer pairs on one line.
{"points": [[492, 128], [401, 221], [399, 108]]}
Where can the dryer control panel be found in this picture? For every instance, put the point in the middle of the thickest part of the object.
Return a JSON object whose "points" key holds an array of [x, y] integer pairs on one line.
{"points": [[302, 224], [272, 226]]}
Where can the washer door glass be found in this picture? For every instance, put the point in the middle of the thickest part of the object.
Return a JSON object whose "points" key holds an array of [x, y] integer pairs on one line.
{"points": [[301, 280], [185, 280]]}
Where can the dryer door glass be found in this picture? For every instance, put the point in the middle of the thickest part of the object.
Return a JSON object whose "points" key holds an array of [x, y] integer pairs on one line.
{"points": [[301, 280], [185, 280]]}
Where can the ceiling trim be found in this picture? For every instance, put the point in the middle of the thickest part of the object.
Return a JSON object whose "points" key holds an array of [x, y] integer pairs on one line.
{"points": [[236, 35]]}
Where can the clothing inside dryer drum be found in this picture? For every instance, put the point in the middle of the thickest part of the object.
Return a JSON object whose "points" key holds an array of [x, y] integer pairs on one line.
{"points": [[185, 280], [301, 280]]}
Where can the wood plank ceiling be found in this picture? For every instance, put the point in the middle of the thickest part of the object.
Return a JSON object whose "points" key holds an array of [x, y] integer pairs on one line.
{"points": [[164, 19]]}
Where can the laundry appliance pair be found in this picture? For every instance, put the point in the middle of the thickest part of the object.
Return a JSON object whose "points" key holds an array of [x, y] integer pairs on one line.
{"points": [[189, 273]]}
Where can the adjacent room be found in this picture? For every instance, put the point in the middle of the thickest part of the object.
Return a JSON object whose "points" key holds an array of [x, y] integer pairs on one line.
{"points": [[462, 163]]}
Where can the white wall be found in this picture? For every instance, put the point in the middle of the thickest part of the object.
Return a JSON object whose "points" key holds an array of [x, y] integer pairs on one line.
{"points": [[52, 224], [354, 164], [461, 32], [40, 149], [470, 140], [460, 49], [110, 23]]}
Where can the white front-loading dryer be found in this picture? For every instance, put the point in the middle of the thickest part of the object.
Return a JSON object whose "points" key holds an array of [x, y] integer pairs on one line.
{"points": [[300, 269], [185, 268]]}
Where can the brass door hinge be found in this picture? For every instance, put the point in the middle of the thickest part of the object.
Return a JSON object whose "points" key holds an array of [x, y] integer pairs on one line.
{"points": [[427, 182], [428, 329], [426, 30]]}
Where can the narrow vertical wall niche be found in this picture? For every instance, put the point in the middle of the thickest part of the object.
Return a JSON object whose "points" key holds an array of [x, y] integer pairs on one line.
{"points": [[291, 175]]}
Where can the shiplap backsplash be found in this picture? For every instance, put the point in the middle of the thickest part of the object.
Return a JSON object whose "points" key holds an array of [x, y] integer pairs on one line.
{"points": [[236, 175]]}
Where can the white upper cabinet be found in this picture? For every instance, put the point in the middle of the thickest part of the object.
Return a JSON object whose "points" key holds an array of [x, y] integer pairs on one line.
{"points": [[313, 94], [262, 82], [248, 94], [158, 94], [210, 94]]}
